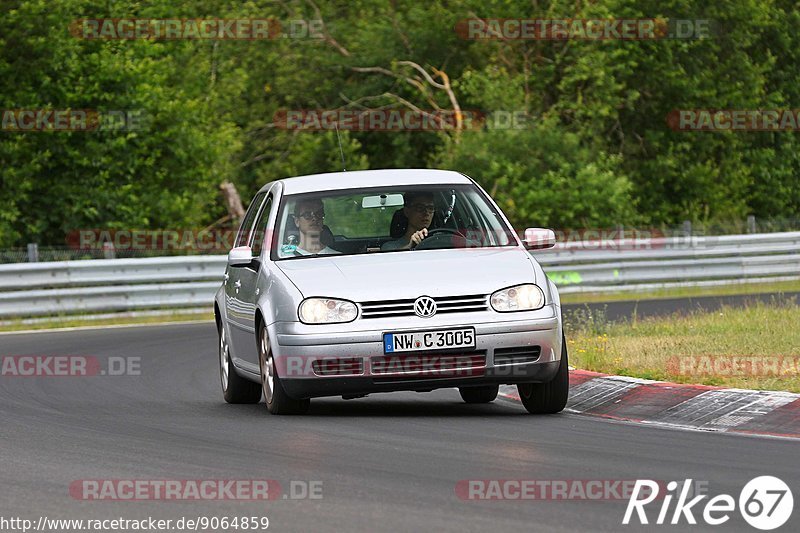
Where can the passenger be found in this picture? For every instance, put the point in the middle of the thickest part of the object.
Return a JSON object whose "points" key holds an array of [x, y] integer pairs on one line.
{"points": [[418, 208], [308, 217]]}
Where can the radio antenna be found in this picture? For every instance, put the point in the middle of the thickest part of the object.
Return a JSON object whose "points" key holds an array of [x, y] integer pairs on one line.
{"points": [[341, 152]]}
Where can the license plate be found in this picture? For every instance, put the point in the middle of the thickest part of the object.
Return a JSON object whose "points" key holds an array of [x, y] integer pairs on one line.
{"points": [[425, 341]]}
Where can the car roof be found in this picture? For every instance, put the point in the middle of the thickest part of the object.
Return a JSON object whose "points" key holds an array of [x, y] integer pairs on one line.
{"points": [[357, 179]]}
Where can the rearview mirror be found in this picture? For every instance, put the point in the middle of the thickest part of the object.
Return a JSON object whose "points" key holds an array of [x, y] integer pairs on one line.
{"points": [[383, 200], [539, 238], [240, 256]]}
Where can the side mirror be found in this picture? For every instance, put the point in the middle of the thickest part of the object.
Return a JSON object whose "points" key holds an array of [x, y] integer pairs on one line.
{"points": [[240, 256], [539, 238]]}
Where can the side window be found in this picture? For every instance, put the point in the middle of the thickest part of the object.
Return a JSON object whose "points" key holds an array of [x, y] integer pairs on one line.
{"points": [[247, 223], [261, 228]]}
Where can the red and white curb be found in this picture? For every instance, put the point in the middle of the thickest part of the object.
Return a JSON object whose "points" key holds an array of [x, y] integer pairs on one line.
{"points": [[694, 407]]}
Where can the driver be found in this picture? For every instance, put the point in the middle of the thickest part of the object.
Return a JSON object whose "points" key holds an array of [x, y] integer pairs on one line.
{"points": [[418, 208]]}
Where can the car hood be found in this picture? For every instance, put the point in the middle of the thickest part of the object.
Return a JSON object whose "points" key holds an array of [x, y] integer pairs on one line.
{"points": [[406, 275]]}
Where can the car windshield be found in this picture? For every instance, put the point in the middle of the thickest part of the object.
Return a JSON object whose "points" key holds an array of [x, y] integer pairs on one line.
{"points": [[382, 220]]}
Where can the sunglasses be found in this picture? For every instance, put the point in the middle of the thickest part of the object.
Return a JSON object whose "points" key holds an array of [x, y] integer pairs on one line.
{"points": [[309, 215]]}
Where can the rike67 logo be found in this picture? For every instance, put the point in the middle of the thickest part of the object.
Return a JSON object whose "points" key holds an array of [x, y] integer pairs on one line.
{"points": [[765, 503]]}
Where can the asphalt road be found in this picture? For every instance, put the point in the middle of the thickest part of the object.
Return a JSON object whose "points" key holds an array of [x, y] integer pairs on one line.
{"points": [[386, 462]]}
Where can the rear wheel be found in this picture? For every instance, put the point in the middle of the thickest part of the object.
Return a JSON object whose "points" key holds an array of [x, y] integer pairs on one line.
{"points": [[551, 397], [235, 388], [278, 402], [479, 394]]}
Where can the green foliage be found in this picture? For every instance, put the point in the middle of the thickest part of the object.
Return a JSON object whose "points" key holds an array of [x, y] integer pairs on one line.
{"points": [[594, 149], [542, 175], [165, 175]]}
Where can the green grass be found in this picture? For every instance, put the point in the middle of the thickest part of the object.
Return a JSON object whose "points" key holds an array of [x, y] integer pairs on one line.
{"points": [[675, 348], [684, 292]]}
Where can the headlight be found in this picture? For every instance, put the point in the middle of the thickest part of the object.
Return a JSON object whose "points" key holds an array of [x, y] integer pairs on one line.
{"points": [[520, 298], [326, 311]]}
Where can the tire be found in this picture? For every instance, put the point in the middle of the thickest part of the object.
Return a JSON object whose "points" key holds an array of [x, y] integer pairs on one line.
{"points": [[235, 388], [479, 394], [278, 402], [551, 397]]}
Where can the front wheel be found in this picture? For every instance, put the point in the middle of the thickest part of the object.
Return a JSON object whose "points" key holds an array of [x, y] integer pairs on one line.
{"points": [[278, 402], [551, 397], [479, 394]]}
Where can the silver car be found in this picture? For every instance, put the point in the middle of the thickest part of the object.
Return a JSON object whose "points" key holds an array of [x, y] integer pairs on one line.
{"points": [[352, 283]]}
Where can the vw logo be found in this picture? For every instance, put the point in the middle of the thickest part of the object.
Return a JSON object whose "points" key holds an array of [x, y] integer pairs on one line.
{"points": [[424, 307]]}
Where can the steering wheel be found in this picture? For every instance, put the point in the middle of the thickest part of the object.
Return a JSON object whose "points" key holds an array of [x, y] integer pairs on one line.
{"points": [[428, 242], [446, 230]]}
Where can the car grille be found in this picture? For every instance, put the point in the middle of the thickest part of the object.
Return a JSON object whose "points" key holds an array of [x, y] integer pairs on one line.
{"points": [[444, 304], [517, 354], [430, 366]]}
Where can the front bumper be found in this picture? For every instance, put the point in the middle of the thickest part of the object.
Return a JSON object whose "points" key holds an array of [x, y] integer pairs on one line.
{"points": [[305, 354]]}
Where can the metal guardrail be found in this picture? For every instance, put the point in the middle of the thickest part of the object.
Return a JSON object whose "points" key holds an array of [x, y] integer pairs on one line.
{"points": [[66, 287], [631, 265], [111, 272]]}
